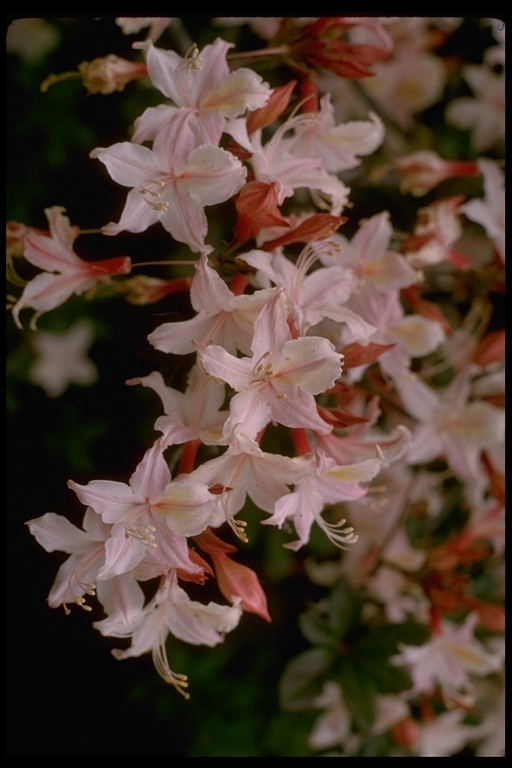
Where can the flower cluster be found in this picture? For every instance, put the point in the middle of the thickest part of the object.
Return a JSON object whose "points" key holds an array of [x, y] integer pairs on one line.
{"points": [[341, 363]]}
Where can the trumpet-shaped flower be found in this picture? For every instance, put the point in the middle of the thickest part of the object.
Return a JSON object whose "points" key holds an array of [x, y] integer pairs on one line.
{"points": [[489, 212], [62, 360], [450, 425], [65, 273], [311, 297], [449, 660], [172, 182], [370, 257], [279, 382], [171, 611], [151, 512], [338, 146], [202, 84], [222, 317], [79, 573], [324, 483], [191, 415], [246, 470]]}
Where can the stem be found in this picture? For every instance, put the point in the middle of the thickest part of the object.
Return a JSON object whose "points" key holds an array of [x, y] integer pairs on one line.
{"points": [[282, 50], [162, 263]]}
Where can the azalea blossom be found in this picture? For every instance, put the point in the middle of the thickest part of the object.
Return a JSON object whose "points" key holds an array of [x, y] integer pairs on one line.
{"points": [[276, 161], [323, 483], [65, 273], [151, 512], [339, 146], [489, 211], [450, 425], [483, 113], [61, 358], [203, 87], [79, 574], [279, 382], [222, 317], [371, 257], [191, 415], [323, 293], [172, 182], [244, 469], [449, 660], [171, 611]]}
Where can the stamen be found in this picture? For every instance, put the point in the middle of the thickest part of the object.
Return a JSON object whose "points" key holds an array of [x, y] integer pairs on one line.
{"points": [[81, 602], [238, 527], [146, 189], [261, 371], [191, 60], [142, 532]]}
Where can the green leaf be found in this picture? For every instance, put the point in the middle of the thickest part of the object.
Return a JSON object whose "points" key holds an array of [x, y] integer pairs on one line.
{"points": [[358, 692], [344, 609], [316, 630], [303, 677], [383, 641]]}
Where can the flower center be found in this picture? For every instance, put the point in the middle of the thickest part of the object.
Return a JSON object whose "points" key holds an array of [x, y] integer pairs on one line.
{"points": [[150, 191]]}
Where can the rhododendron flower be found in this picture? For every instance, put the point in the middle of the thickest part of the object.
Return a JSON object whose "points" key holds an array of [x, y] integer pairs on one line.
{"points": [[311, 297], [449, 660], [281, 379], [61, 359], [484, 113], [202, 86], [449, 425], [79, 573], [151, 512], [172, 182], [191, 415], [338, 146], [423, 170], [276, 161], [246, 470], [171, 611], [323, 483], [222, 317], [369, 255], [489, 212], [65, 272]]}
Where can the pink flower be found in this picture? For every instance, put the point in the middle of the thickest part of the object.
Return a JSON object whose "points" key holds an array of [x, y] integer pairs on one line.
{"points": [[369, 255], [280, 380], [324, 482], [449, 660], [202, 85], [65, 272], [78, 575], [190, 415], [489, 212], [151, 512], [311, 297], [421, 171], [246, 470], [222, 317], [171, 611], [172, 182], [61, 358], [338, 146]]}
